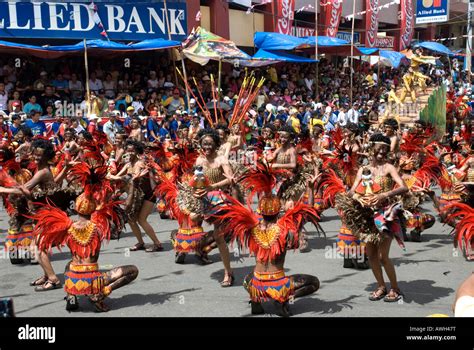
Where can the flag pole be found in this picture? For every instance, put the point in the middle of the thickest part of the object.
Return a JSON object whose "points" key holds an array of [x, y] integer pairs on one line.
{"points": [[86, 66], [352, 47], [316, 46], [169, 38]]}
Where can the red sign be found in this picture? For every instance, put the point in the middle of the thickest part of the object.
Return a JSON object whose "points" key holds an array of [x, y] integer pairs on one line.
{"points": [[407, 26], [285, 12], [384, 42], [371, 22], [333, 17]]}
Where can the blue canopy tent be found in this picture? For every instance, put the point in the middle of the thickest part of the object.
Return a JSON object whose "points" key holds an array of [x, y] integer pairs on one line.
{"points": [[279, 56], [93, 47], [277, 41], [395, 58], [436, 47]]}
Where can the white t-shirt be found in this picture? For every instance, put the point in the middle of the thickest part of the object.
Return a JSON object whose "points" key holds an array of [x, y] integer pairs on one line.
{"points": [[353, 116], [95, 85], [342, 118], [3, 101]]}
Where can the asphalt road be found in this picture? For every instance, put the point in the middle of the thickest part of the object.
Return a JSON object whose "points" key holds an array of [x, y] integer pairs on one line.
{"points": [[428, 272]]}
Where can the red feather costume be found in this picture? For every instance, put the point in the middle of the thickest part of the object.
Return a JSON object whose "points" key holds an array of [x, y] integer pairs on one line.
{"points": [[463, 215], [267, 240]]}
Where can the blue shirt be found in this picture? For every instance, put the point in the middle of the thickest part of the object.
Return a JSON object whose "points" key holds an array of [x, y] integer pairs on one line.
{"points": [[64, 84], [55, 127], [163, 132], [37, 128], [174, 125], [152, 125], [32, 107], [13, 129]]}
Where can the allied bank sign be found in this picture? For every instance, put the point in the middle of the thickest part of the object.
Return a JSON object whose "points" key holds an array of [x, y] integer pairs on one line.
{"points": [[429, 11], [75, 20]]}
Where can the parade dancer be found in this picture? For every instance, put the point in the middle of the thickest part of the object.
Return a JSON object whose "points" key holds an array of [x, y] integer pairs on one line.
{"points": [[84, 238], [219, 174], [41, 187], [189, 211], [268, 237], [141, 197], [374, 217]]}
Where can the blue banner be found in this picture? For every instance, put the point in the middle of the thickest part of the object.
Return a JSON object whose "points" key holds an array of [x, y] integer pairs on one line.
{"points": [[429, 11], [75, 20], [347, 36]]}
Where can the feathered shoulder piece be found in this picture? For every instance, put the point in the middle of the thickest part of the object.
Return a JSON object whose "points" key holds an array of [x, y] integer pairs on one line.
{"points": [[294, 219], [51, 226], [330, 185], [92, 179], [5, 179], [336, 136], [106, 215], [411, 143], [464, 229], [169, 192], [261, 179], [236, 220], [430, 171]]}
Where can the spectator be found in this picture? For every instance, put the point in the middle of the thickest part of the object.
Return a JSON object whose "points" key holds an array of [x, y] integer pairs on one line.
{"points": [[49, 97], [61, 85], [152, 127], [3, 98], [109, 87], [15, 104], [15, 123], [42, 82], [95, 84], [174, 102], [32, 105], [37, 127], [76, 125], [112, 126], [76, 89]]}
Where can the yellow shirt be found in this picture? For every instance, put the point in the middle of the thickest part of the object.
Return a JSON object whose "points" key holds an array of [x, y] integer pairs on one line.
{"points": [[273, 74], [294, 122]]}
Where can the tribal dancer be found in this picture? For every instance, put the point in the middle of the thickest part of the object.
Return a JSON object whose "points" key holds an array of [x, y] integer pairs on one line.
{"points": [[419, 182], [40, 188], [84, 238], [189, 211], [463, 215], [219, 174], [268, 237], [141, 197], [292, 186], [374, 217], [344, 162]]}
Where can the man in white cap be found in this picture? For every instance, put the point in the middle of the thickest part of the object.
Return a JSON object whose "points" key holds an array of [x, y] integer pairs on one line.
{"points": [[329, 119], [282, 114], [353, 113], [192, 106]]}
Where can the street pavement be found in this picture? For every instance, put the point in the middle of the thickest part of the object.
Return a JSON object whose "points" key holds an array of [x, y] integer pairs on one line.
{"points": [[428, 272]]}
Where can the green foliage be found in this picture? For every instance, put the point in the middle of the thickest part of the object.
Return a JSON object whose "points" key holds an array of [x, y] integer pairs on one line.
{"points": [[435, 111]]}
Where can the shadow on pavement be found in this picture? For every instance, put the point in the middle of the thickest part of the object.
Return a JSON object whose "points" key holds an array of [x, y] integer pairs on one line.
{"points": [[239, 274], [135, 299], [420, 292], [318, 306]]}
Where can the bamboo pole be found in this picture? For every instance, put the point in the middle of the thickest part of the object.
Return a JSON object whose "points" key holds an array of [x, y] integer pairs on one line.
{"points": [[185, 79], [219, 80]]}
